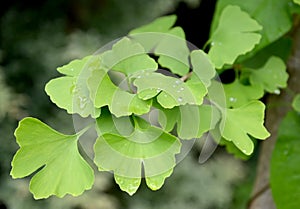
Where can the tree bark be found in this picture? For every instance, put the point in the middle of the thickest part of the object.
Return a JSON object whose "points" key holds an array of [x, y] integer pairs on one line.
{"points": [[277, 107]]}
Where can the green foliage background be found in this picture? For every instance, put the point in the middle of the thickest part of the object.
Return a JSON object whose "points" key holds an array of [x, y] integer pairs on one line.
{"points": [[53, 33]]}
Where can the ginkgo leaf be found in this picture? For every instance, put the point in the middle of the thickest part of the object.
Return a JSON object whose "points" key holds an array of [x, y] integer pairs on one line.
{"points": [[127, 56], [173, 52], [146, 146], [192, 120], [70, 92], [297, 1], [103, 92], [203, 68], [161, 24], [151, 34], [234, 36], [170, 91], [62, 169], [296, 103], [271, 76], [238, 94], [237, 124], [263, 12]]}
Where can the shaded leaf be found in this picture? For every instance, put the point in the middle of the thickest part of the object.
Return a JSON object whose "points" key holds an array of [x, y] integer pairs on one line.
{"points": [[296, 103], [263, 12], [285, 172], [271, 76]]}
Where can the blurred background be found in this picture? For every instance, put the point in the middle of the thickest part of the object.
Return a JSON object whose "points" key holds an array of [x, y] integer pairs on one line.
{"points": [[38, 36]]}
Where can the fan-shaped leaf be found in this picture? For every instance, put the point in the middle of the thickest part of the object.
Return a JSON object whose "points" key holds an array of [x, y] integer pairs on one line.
{"points": [[146, 146], [234, 36], [70, 92], [237, 123], [63, 170]]}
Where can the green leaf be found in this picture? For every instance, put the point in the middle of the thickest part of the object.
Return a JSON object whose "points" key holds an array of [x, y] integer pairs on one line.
{"points": [[127, 56], [60, 168], [203, 68], [237, 124], [151, 34], [281, 48], [297, 2], [232, 149], [285, 171], [170, 91], [124, 155], [103, 92], [238, 94], [234, 36], [274, 17], [70, 92], [296, 103], [173, 52], [271, 76], [161, 24], [193, 121]]}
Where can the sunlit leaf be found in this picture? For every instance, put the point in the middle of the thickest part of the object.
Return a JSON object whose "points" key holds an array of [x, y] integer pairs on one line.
{"points": [[62, 169], [203, 68], [170, 91], [128, 57], [285, 172], [271, 76], [173, 52], [124, 155], [104, 92], [235, 35], [237, 124], [70, 92]]}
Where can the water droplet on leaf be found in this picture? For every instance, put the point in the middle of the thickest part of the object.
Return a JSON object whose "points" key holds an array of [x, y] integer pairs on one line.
{"points": [[180, 99], [277, 91]]}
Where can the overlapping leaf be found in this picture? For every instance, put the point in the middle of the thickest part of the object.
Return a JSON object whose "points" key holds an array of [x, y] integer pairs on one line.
{"points": [[238, 94], [271, 76], [297, 1], [70, 92], [285, 172], [168, 43], [173, 52], [146, 146], [104, 92], [127, 56], [237, 124], [192, 121], [170, 91], [263, 12], [63, 170], [235, 35]]}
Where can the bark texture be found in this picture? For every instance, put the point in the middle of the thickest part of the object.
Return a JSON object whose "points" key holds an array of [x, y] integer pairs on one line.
{"points": [[277, 107]]}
